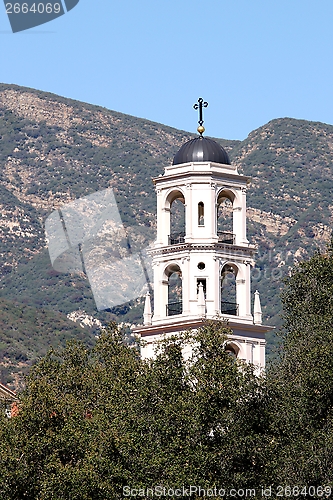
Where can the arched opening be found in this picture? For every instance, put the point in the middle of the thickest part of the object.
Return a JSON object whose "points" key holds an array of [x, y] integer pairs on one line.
{"points": [[228, 290], [232, 350], [201, 214], [175, 302], [177, 218], [224, 217]]}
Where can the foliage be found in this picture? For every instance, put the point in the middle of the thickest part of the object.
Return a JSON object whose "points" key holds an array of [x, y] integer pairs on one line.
{"points": [[301, 384], [92, 421], [27, 333]]}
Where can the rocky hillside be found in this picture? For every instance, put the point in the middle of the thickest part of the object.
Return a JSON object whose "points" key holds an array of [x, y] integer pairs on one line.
{"points": [[54, 151]]}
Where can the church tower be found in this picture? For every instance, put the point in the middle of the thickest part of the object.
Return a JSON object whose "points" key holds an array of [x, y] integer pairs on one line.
{"points": [[201, 257]]}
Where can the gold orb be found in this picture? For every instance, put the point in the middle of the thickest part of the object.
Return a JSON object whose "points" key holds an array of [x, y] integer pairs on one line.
{"points": [[201, 129]]}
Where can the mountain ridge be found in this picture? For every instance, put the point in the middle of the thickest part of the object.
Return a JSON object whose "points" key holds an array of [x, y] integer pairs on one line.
{"points": [[54, 150]]}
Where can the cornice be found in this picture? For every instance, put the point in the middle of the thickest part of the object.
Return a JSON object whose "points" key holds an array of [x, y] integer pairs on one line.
{"points": [[183, 324], [231, 250], [215, 175]]}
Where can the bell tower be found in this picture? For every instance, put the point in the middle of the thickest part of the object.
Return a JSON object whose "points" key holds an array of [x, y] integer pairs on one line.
{"points": [[201, 257]]}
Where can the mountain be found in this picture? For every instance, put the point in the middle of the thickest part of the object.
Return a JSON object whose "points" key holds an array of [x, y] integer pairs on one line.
{"points": [[27, 333], [55, 150]]}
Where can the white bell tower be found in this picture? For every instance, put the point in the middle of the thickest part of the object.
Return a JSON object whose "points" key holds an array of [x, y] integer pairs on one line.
{"points": [[203, 271]]}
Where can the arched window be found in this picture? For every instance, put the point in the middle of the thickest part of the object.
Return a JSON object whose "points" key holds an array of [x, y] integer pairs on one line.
{"points": [[175, 303], [232, 350], [177, 218], [201, 214], [228, 290], [224, 217]]}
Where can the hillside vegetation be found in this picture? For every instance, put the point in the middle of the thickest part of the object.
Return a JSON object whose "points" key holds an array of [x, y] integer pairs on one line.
{"points": [[55, 150], [27, 333]]}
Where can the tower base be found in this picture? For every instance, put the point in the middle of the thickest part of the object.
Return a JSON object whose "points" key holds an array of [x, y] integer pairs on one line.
{"points": [[247, 341]]}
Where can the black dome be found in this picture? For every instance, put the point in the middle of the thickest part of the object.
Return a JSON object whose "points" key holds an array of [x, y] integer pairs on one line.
{"points": [[199, 150]]}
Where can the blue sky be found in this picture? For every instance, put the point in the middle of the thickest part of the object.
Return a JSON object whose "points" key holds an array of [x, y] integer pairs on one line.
{"points": [[252, 60]]}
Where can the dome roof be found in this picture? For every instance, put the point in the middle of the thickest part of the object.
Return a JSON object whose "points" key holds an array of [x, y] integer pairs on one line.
{"points": [[201, 149]]}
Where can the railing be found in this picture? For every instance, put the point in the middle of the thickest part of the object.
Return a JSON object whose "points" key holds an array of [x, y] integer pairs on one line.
{"points": [[229, 308], [228, 238], [174, 308], [175, 239]]}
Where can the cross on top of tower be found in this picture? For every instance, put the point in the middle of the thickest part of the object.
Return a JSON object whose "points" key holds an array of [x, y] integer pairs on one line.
{"points": [[201, 104]]}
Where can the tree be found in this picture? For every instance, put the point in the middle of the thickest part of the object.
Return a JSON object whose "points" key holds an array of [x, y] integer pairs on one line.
{"points": [[61, 445], [228, 403], [300, 385], [92, 421]]}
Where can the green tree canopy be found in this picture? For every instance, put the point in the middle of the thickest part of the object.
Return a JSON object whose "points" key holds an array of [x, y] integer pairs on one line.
{"points": [[92, 421], [300, 385]]}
